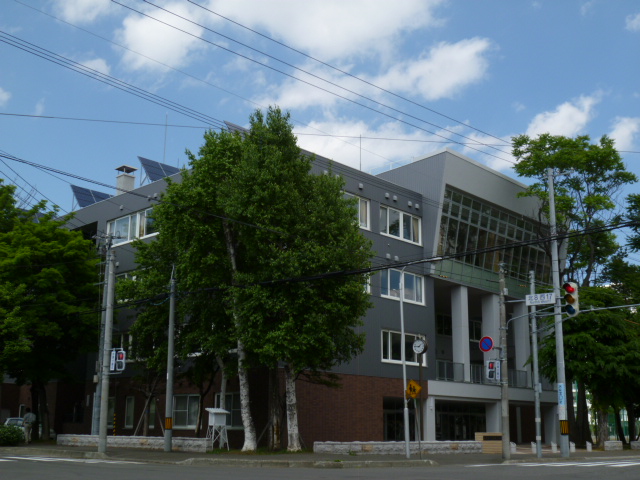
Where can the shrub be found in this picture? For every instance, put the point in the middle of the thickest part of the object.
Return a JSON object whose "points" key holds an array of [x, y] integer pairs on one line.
{"points": [[11, 435]]}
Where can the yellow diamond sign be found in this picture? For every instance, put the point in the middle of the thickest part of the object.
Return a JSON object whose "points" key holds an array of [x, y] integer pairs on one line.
{"points": [[413, 389]]}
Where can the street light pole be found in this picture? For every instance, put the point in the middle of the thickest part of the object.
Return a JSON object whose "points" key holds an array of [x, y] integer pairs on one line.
{"points": [[404, 367], [168, 415], [504, 371]]}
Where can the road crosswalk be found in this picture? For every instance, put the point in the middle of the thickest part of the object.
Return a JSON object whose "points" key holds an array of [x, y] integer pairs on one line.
{"points": [[69, 460], [585, 464]]}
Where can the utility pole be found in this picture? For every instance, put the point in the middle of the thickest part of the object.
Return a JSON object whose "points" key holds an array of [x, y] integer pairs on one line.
{"points": [[555, 269], [504, 373], [536, 377], [95, 416], [106, 350], [168, 412], [404, 368]]}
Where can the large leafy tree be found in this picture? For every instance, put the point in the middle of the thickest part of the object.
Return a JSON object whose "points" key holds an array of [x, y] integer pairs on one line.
{"points": [[47, 278], [251, 232], [588, 177]]}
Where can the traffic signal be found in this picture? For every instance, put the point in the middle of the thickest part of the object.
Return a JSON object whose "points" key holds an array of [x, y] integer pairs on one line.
{"points": [[121, 358], [491, 369], [572, 305]]}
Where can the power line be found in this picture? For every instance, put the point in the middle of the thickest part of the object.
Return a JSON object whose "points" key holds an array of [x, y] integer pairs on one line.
{"points": [[301, 80]]}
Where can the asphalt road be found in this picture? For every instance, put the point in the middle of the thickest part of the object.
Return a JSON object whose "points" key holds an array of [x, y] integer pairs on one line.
{"points": [[19, 467]]}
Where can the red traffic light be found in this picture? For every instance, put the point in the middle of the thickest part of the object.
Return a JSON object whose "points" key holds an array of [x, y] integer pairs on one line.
{"points": [[567, 287], [120, 356]]}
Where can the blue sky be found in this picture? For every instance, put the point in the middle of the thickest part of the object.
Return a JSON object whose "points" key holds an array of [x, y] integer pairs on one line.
{"points": [[397, 80]]}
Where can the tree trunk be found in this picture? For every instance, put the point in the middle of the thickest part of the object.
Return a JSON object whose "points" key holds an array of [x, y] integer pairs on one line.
{"points": [[603, 426], [619, 428], [250, 444], [583, 429], [43, 411], [275, 411], [292, 410], [631, 419]]}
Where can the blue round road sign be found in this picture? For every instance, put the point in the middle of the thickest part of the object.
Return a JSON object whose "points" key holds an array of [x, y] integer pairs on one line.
{"points": [[486, 344]]}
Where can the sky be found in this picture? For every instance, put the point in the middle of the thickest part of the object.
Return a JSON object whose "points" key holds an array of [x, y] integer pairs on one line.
{"points": [[89, 85]]}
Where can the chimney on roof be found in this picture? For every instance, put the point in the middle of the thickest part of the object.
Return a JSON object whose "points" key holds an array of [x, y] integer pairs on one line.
{"points": [[126, 180]]}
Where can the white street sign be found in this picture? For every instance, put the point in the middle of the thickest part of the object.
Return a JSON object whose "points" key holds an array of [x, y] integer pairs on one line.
{"points": [[540, 299]]}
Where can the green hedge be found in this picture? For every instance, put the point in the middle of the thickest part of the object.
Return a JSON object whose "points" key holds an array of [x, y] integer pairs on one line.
{"points": [[11, 435]]}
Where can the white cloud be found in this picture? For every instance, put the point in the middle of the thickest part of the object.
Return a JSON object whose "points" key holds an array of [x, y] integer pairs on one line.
{"points": [[568, 119], [333, 29], [633, 22], [444, 72], [4, 97], [98, 64], [624, 132], [587, 7], [360, 146], [158, 41], [81, 11], [39, 110]]}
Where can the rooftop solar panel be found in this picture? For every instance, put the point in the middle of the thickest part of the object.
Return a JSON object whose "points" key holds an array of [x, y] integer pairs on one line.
{"points": [[86, 197], [157, 171]]}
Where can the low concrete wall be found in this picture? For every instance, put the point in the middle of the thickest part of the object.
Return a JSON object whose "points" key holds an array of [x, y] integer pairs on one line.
{"points": [[612, 445], [635, 445], [395, 448], [178, 444]]}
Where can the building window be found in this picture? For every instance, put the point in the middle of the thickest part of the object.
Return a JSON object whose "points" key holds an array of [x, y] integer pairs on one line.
{"points": [[185, 410], [475, 330], [444, 325], [392, 346], [128, 412], [413, 285], [232, 405], [136, 225], [399, 224], [363, 211]]}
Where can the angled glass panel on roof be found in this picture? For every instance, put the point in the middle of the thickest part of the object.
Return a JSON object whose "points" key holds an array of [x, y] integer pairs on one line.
{"points": [[85, 197], [155, 171]]}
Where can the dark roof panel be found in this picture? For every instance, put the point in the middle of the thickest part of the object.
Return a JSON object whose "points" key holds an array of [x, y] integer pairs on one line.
{"points": [[86, 197], [156, 170]]}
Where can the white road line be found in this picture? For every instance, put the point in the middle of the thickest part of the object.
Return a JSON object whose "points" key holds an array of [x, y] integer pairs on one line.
{"points": [[71, 460]]}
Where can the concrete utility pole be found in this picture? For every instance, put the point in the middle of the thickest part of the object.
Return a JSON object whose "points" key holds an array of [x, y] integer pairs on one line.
{"points": [[555, 269], [106, 350], [536, 378], [504, 372], [95, 416], [168, 412]]}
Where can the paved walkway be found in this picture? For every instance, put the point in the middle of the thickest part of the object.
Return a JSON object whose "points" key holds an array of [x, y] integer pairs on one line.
{"points": [[304, 460]]}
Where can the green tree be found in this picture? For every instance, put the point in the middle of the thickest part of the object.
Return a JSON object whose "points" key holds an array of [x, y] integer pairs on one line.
{"points": [[587, 180], [251, 232], [47, 275]]}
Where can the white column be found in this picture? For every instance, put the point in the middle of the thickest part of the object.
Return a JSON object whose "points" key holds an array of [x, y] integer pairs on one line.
{"points": [[429, 419], [494, 417], [491, 322], [551, 423], [460, 330], [521, 330]]}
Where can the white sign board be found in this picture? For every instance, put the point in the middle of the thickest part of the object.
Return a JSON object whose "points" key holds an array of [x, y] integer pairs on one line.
{"points": [[540, 299]]}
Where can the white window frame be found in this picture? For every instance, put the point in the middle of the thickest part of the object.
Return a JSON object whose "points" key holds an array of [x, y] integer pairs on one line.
{"points": [[403, 218], [190, 422], [388, 279], [364, 211], [136, 226], [411, 357], [231, 405]]}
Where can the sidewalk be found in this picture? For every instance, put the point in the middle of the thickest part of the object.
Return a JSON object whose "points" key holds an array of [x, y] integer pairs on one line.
{"points": [[306, 460]]}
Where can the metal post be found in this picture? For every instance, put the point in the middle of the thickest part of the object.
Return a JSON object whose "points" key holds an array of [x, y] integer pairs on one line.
{"points": [[555, 269], [106, 351], [536, 376], [504, 372], [168, 415], [404, 367]]}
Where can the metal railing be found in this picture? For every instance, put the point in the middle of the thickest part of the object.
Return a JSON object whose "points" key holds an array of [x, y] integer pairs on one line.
{"points": [[449, 371]]}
